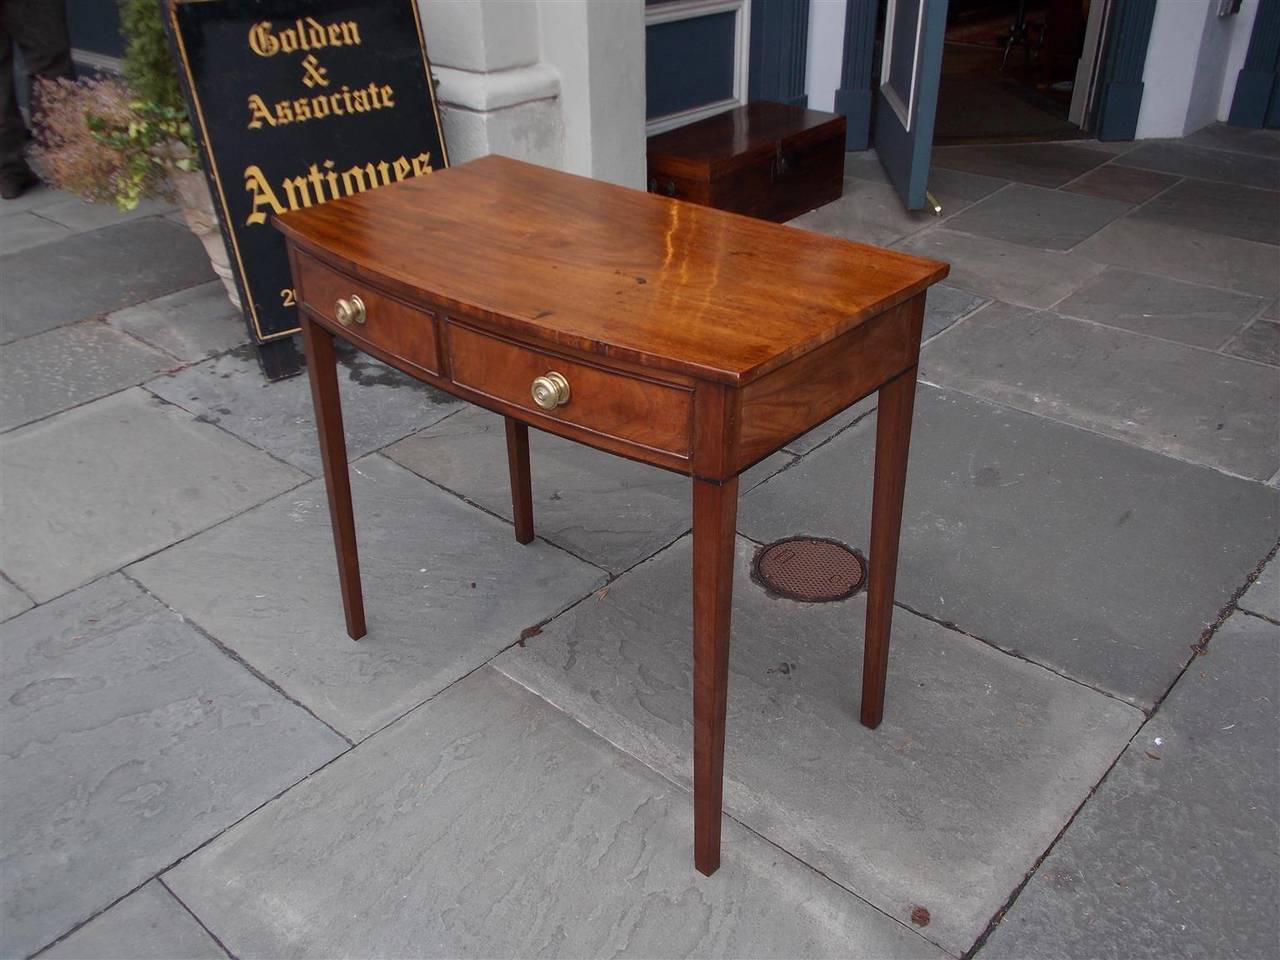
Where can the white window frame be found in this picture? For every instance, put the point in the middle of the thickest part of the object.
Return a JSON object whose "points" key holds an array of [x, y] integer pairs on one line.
{"points": [[691, 10], [906, 111]]}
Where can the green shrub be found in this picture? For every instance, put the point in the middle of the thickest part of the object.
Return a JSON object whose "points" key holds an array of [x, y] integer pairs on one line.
{"points": [[148, 65]]}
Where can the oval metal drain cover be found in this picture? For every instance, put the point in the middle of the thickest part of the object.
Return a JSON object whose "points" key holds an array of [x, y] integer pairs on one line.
{"points": [[810, 569]]}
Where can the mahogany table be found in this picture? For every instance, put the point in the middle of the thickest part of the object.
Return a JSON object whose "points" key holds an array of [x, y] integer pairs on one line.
{"points": [[677, 335]]}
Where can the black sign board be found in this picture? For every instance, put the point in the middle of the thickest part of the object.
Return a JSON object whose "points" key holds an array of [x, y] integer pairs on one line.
{"points": [[295, 103]]}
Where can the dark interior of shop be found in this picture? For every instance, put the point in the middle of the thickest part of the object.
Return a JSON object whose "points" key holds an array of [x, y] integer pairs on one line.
{"points": [[1008, 70]]}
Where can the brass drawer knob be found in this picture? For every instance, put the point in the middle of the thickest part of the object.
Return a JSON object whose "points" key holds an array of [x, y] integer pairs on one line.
{"points": [[550, 391], [349, 310]]}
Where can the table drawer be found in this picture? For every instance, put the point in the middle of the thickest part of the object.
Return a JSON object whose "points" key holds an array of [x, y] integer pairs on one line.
{"points": [[634, 409], [392, 325]]}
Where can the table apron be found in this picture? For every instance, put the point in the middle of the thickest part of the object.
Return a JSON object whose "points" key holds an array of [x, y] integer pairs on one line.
{"points": [[725, 429], [795, 398]]}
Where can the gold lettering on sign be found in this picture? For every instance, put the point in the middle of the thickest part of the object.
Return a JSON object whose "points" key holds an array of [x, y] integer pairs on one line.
{"points": [[321, 182], [313, 75], [343, 101], [305, 34]]}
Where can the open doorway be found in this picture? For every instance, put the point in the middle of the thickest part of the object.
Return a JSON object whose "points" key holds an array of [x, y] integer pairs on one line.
{"points": [[1009, 70]]}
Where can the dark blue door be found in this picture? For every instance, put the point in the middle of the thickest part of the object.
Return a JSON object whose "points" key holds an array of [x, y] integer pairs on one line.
{"points": [[911, 68], [1257, 98]]}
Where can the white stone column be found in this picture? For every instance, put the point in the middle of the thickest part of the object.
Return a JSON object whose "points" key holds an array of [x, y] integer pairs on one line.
{"points": [[555, 82], [598, 48], [496, 95]]}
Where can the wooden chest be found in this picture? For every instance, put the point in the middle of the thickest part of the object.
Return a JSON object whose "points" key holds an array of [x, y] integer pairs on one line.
{"points": [[766, 160]]}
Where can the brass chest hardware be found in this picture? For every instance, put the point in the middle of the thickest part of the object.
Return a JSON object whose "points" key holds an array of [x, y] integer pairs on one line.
{"points": [[349, 310], [550, 391]]}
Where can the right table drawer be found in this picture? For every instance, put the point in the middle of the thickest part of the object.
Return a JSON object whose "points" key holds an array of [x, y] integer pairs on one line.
{"points": [[617, 404]]}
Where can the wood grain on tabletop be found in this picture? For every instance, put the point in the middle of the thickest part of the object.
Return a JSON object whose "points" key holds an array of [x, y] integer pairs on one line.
{"points": [[603, 269]]}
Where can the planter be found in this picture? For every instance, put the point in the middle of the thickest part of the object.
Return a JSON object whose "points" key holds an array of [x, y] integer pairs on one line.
{"points": [[197, 210]]}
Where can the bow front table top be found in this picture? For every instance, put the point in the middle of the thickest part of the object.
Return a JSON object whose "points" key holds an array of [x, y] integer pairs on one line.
{"points": [[678, 335]]}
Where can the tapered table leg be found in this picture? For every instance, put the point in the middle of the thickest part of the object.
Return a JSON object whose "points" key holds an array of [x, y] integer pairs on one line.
{"points": [[322, 370], [893, 439], [521, 486], [715, 511]]}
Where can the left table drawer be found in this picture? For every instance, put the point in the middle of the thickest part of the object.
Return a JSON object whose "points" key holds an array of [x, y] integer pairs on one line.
{"points": [[407, 333]]}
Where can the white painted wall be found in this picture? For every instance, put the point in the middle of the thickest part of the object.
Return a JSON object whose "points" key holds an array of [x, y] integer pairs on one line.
{"points": [[1170, 67], [598, 50], [825, 53], [1188, 75], [617, 83], [480, 35], [555, 82], [1210, 72]]}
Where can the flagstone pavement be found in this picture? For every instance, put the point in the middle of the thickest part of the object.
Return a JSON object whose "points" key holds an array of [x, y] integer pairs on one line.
{"points": [[1081, 749]]}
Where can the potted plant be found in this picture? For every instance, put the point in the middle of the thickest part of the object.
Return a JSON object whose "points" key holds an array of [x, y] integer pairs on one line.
{"points": [[108, 139]]}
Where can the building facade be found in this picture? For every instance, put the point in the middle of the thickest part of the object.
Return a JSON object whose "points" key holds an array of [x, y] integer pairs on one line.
{"points": [[563, 82], [579, 84]]}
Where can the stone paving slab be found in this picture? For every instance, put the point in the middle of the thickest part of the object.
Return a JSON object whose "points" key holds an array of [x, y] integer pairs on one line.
{"points": [[1005, 271], [1223, 208], [1040, 164], [966, 186], [979, 762], [12, 600], [1036, 217], [94, 273], [871, 212], [22, 231], [1178, 853], [489, 824], [1113, 147], [1173, 399], [944, 305], [1184, 254], [41, 195], [68, 366], [1259, 341], [80, 215], [1189, 160], [446, 587], [379, 405], [1264, 596], [128, 740], [192, 324], [1130, 184], [1096, 558], [96, 487], [146, 925], [865, 165], [1145, 303], [1265, 143], [603, 508]]}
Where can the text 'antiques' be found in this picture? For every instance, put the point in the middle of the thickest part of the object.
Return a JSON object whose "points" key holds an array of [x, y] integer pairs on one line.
{"points": [[298, 103]]}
